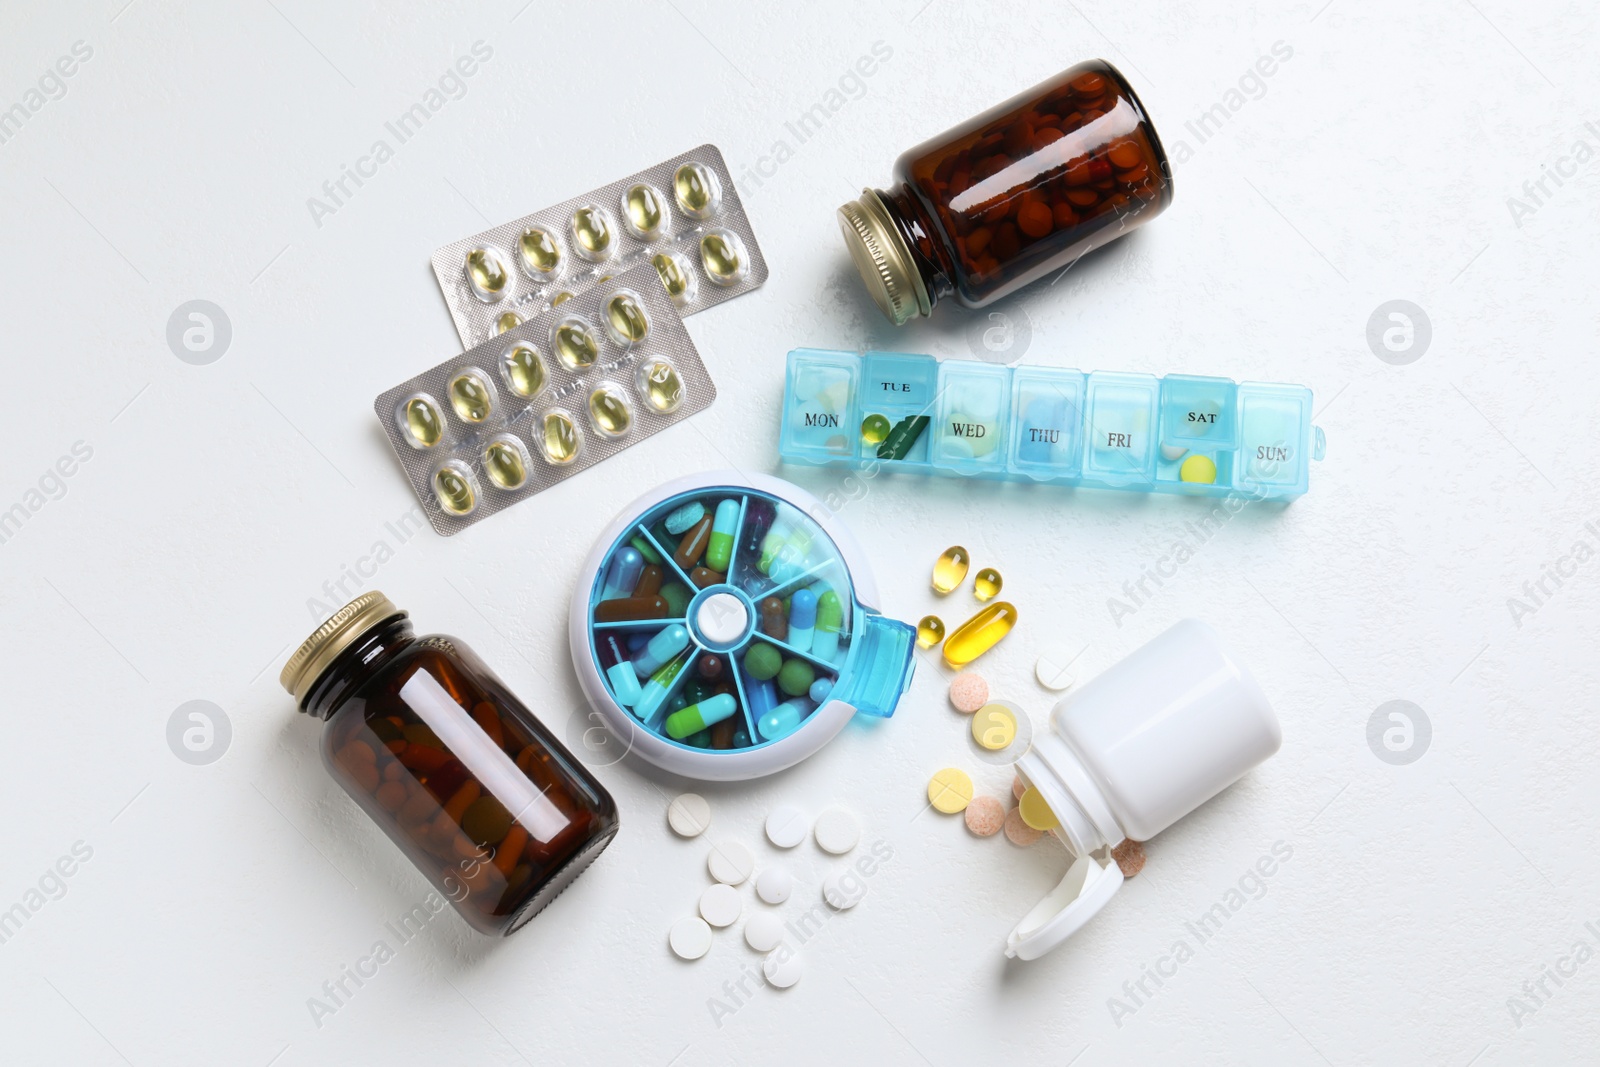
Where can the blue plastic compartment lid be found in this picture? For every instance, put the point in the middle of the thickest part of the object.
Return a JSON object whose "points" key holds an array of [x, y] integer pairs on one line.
{"points": [[884, 663]]}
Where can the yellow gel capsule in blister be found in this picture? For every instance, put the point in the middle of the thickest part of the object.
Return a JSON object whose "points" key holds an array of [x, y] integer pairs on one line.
{"points": [[609, 411], [504, 462], [722, 255], [661, 384], [591, 230], [487, 274], [523, 369], [541, 255], [644, 209], [675, 279], [560, 438], [576, 345], [626, 319], [419, 419], [508, 321], [471, 397], [697, 189], [452, 485]]}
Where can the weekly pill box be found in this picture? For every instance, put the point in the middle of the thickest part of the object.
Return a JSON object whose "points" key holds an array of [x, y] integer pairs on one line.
{"points": [[572, 386], [1110, 430], [682, 216]]}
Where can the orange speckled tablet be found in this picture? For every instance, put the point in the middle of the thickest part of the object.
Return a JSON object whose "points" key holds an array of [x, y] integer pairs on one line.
{"points": [[969, 692], [1019, 832], [1130, 857], [985, 816]]}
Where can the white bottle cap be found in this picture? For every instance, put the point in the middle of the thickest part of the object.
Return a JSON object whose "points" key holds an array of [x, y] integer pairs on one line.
{"points": [[1088, 886]]}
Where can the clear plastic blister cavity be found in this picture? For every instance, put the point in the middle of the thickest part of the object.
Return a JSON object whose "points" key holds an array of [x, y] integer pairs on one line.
{"points": [[1185, 434], [566, 389], [681, 217]]}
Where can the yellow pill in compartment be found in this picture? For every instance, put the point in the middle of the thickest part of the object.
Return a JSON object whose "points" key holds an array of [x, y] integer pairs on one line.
{"points": [[950, 790], [1198, 469], [874, 428], [986, 584], [994, 727], [980, 633], [559, 438]]}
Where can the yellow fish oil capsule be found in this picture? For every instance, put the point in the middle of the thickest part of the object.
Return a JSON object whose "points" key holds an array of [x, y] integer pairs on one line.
{"points": [[576, 345], [452, 485], [874, 428], [541, 255], [523, 369], [697, 189], [504, 463], [560, 298], [626, 319], [661, 385], [645, 212], [609, 411], [591, 229], [487, 274], [930, 631], [722, 255], [508, 321], [419, 420], [986, 584], [560, 438], [678, 282], [950, 569], [980, 633], [470, 396]]}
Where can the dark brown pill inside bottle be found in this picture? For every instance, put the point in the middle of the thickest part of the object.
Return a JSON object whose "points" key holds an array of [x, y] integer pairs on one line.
{"points": [[476, 791], [1007, 197]]}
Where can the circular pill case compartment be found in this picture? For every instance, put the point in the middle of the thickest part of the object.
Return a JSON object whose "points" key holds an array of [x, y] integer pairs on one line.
{"points": [[812, 551], [415, 426]]}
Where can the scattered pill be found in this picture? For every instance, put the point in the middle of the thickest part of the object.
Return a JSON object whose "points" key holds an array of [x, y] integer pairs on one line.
{"points": [[730, 863], [844, 888], [720, 905], [782, 967], [763, 931], [994, 727], [690, 937], [986, 584], [930, 631], [980, 633], [985, 816], [1054, 670], [689, 815], [950, 790], [1130, 857], [1019, 832], [969, 692], [950, 569], [837, 831], [1035, 812], [774, 884], [787, 826]]}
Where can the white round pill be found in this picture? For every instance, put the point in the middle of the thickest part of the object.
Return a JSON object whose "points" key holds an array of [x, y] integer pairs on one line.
{"points": [[720, 905], [730, 863], [837, 831], [782, 967], [773, 884], [690, 937], [1054, 670], [689, 815], [787, 826], [1173, 453], [763, 931], [844, 888]]}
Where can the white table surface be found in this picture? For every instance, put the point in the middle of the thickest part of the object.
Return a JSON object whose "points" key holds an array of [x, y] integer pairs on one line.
{"points": [[181, 559]]}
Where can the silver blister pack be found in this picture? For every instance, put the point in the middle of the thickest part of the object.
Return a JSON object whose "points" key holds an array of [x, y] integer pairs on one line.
{"points": [[682, 217], [571, 386]]}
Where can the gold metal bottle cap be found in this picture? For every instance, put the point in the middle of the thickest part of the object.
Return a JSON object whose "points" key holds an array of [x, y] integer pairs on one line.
{"points": [[341, 630], [883, 259]]}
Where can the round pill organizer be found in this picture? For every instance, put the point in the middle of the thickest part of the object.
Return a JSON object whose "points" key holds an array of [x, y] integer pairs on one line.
{"points": [[733, 545]]}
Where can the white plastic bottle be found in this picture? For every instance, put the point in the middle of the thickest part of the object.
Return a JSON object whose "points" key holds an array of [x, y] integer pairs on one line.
{"points": [[1132, 752]]}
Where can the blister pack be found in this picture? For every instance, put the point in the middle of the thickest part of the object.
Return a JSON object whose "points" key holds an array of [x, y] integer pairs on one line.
{"points": [[682, 217], [569, 387]]}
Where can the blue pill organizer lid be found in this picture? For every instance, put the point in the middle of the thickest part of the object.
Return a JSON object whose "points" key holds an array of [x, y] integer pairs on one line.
{"points": [[638, 658]]}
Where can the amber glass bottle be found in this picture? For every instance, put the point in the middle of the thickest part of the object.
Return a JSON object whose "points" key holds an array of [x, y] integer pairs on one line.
{"points": [[473, 788], [1011, 195]]}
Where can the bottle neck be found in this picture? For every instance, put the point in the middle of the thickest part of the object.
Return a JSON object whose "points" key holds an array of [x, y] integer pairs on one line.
{"points": [[929, 254], [1087, 821], [356, 664]]}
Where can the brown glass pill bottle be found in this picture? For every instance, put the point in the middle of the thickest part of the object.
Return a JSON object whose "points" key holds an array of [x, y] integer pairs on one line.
{"points": [[1011, 195], [473, 788]]}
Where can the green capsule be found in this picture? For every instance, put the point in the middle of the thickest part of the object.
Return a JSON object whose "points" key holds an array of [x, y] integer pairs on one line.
{"points": [[903, 437]]}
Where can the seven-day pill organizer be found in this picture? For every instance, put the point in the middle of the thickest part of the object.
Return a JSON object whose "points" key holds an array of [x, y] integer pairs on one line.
{"points": [[1105, 429], [723, 628]]}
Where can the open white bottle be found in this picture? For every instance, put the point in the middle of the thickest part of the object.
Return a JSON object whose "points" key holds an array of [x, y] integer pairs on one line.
{"points": [[1132, 752]]}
